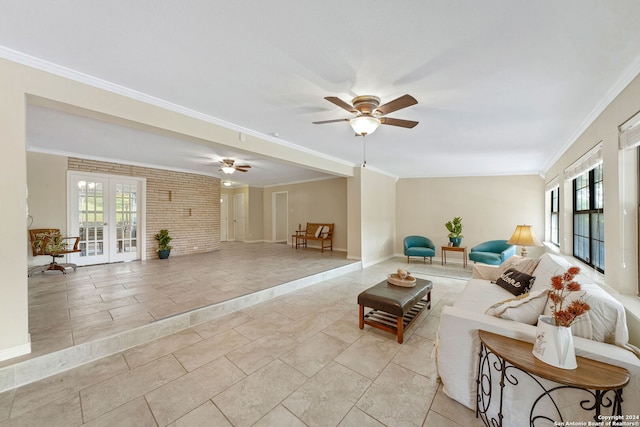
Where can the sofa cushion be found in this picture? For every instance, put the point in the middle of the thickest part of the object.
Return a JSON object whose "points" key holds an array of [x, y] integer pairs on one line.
{"points": [[418, 251], [524, 308], [607, 315], [478, 295], [515, 281], [486, 257]]}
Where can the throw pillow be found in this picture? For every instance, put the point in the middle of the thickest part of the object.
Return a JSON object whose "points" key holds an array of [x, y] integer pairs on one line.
{"points": [[515, 281], [318, 231], [524, 308], [526, 265], [607, 315]]}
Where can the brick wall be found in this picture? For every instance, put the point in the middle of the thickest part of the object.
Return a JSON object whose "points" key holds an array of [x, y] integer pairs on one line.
{"points": [[186, 204]]}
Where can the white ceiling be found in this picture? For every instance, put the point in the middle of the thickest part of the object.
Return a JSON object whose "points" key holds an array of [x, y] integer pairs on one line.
{"points": [[503, 85]]}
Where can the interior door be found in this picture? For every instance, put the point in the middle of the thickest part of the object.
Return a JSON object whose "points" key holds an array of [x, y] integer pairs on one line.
{"points": [[105, 212], [238, 217], [224, 217]]}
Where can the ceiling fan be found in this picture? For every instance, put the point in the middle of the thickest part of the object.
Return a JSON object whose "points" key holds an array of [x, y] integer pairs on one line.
{"points": [[228, 166], [369, 114]]}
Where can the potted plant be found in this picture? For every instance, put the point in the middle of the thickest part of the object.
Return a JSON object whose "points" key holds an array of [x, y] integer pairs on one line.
{"points": [[164, 249], [455, 231]]}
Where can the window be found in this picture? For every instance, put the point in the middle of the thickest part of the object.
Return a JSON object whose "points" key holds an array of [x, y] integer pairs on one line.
{"points": [[554, 216], [588, 218]]}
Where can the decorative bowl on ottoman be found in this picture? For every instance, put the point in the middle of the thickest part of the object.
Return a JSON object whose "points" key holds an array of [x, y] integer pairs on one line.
{"points": [[407, 281]]}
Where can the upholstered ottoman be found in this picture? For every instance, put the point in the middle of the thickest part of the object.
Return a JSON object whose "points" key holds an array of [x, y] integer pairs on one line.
{"points": [[394, 307]]}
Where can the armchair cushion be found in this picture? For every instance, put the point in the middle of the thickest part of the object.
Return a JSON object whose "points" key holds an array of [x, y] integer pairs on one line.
{"points": [[419, 246], [493, 252]]}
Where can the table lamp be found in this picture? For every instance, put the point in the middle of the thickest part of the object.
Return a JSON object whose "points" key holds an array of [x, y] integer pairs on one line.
{"points": [[524, 236]]}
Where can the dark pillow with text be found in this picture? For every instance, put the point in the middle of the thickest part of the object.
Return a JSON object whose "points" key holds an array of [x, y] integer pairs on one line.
{"points": [[515, 281]]}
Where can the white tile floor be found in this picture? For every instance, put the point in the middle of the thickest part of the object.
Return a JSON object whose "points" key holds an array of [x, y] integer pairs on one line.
{"points": [[298, 359]]}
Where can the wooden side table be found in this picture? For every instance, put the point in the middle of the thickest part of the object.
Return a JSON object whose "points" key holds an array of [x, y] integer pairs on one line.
{"points": [[462, 249], [298, 237], [503, 356]]}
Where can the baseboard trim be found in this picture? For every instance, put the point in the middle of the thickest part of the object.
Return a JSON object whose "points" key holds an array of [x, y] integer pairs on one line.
{"points": [[19, 350]]}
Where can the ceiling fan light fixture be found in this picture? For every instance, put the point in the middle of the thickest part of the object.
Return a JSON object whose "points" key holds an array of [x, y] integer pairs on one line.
{"points": [[228, 169], [364, 125]]}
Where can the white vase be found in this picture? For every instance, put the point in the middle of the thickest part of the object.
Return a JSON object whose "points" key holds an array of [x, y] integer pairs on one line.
{"points": [[554, 344]]}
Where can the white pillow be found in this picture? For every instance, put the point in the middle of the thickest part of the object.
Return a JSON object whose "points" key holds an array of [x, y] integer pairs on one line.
{"points": [[549, 266], [325, 231], [318, 231], [607, 315], [524, 308]]}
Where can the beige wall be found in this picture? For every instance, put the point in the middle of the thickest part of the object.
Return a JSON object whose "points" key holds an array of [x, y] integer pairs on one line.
{"points": [[378, 216], [490, 208], [620, 200], [14, 314], [315, 201], [254, 216]]}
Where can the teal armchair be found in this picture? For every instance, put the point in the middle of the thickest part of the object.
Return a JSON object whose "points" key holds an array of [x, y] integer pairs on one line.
{"points": [[493, 252], [419, 246]]}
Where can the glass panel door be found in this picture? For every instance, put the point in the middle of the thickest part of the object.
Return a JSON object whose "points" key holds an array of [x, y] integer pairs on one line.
{"points": [[90, 221], [125, 221], [104, 212]]}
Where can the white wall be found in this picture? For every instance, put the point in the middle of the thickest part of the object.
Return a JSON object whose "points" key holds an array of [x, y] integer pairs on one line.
{"points": [[490, 208]]}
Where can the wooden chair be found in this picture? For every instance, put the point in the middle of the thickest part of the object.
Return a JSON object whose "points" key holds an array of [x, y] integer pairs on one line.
{"points": [[48, 241]]}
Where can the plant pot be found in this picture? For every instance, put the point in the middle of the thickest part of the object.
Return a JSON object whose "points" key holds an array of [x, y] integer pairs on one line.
{"points": [[554, 344], [456, 241], [164, 254]]}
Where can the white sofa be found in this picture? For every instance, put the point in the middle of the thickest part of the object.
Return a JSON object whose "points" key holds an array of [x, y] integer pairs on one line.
{"points": [[457, 344]]}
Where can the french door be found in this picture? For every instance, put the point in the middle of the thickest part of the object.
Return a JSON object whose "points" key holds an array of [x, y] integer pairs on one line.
{"points": [[106, 211]]}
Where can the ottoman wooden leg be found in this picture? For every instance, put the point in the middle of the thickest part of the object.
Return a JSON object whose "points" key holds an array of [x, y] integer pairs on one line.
{"points": [[362, 317], [400, 332]]}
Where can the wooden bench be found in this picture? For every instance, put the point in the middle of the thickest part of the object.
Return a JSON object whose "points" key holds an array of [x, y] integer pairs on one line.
{"points": [[322, 232]]}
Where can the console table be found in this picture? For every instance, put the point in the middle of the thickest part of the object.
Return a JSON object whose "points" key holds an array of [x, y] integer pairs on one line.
{"points": [[462, 249], [602, 383]]}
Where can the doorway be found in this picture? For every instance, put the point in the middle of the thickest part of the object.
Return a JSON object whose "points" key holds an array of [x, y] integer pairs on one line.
{"points": [[107, 212]]}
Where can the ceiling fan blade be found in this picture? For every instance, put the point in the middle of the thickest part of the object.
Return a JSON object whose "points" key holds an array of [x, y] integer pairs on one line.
{"points": [[241, 170], [330, 121], [397, 104], [243, 167], [398, 122], [340, 103]]}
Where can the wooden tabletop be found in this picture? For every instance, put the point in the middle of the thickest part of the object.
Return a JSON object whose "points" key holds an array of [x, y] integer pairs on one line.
{"points": [[454, 248], [590, 374]]}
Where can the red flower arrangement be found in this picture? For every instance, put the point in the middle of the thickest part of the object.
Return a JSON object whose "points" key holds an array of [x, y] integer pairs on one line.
{"points": [[561, 285]]}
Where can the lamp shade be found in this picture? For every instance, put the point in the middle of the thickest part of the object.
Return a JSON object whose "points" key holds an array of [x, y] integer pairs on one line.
{"points": [[364, 125], [524, 236]]}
